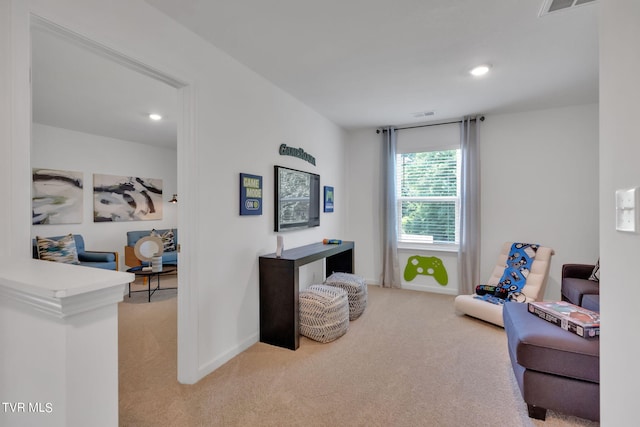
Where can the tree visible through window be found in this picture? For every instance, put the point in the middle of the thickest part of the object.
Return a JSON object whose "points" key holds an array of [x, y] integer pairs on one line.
{"points": [[427, 196]]}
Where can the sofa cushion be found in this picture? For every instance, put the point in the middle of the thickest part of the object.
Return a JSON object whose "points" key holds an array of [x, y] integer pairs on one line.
{"points": [[96, 257], [595, 274], [103, 265], [591, 302], [61, 249], [573, 289], [544, 347], [168, 239]]}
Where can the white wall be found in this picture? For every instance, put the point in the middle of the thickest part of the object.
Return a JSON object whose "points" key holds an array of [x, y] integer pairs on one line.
{"points": [[424, 282], [5, 119], [556, 204], [364, 187], [238, 120], [15, 122], [63, 149], [619, 154]]}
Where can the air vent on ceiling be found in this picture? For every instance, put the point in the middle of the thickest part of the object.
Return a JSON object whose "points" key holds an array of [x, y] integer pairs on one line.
{"points": [[421, 114], [550, 6]]}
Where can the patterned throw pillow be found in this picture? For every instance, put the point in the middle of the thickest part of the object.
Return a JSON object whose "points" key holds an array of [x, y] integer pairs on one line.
{"points": [[168, 239], [62, 250], [595, 274]]}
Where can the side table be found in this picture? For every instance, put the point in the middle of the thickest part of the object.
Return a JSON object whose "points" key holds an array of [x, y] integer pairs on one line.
{"points": [[139, 272]]}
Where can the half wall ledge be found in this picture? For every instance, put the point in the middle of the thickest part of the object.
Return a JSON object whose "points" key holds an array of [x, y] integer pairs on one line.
{"points": [[59, 323]]}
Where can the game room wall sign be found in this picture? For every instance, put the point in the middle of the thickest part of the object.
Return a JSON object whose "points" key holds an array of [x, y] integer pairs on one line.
{"points": [[297, 152]]}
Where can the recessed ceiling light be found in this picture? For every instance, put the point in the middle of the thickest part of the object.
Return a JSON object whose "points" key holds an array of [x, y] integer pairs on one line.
{"points": [[480, 70], [155, 117]]}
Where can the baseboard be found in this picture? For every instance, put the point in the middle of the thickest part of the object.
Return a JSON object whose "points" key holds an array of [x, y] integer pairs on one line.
{"points": [[420, 288], [214, 364], [434, 290]]}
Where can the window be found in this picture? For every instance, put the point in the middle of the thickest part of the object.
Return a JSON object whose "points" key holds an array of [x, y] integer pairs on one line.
{"points": [[428, 196]]}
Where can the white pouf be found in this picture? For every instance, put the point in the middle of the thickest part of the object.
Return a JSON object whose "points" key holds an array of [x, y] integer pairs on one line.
{"points": [[324, 313], [356, 291]]}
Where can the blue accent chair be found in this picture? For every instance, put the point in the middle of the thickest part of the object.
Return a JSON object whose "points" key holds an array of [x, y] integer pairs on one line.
{"points": [[99, 259], [130, 259]]}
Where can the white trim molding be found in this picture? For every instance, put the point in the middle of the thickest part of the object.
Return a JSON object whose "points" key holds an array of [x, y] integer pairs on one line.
{"points": [[60, 290]]}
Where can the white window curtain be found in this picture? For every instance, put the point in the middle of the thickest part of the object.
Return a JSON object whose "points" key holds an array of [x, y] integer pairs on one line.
{"points": [[390, 262], [469, 249]]}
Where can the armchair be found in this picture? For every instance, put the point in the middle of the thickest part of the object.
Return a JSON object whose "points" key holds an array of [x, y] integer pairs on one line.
{"points": [[533, 289], [107, 260], [170, 254]]}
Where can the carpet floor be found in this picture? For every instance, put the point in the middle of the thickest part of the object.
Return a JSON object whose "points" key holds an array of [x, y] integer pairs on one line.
{"points": [[409, 360]]}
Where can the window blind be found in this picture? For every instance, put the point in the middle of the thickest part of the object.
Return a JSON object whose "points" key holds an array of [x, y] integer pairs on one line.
{"points": [[427, 196]]}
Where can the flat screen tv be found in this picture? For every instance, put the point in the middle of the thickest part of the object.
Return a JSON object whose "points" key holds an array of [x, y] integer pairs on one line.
{"points": [[297, 199]]}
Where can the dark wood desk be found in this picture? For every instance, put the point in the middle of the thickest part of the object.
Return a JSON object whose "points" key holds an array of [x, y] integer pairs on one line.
{"points": [[279, 288]]}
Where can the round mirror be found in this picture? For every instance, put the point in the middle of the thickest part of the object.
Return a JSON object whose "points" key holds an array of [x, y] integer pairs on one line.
{"points": [[147, 247]]}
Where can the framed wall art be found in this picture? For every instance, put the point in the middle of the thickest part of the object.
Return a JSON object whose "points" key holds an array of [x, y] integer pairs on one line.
{"points": [[56, 196], [126, 198], [328, 199], [250, 194]]}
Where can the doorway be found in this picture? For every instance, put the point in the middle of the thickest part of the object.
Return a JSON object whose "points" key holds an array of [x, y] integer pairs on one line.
{"points": [[54, 133]]}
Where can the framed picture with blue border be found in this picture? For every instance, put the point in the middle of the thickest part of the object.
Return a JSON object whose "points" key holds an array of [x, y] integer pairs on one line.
{"points": [[328, 199], [250, 194]]}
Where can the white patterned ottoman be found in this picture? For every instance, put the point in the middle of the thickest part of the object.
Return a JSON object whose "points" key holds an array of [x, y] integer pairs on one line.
{"points": [[356, 291], [324, 313]]}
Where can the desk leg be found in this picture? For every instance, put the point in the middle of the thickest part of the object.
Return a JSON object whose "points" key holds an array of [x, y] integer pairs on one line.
{"points": [[279, 311]]}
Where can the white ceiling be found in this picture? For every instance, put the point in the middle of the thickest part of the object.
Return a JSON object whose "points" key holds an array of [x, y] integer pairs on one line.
{"points": [[75, 88], [360, 63]]}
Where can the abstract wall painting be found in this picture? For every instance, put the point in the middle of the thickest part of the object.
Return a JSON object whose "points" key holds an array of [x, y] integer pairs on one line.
{"points": [[56, 196], [126, 198]]}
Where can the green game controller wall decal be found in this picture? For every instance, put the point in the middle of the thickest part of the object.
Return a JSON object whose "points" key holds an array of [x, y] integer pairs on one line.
{"points": [[427, 266]]}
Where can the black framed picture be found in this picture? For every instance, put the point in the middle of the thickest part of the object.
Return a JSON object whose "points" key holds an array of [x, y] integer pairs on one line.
{"points": [[328, 199], [250, 194]]}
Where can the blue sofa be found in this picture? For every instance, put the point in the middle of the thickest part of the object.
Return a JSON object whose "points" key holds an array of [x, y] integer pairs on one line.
{"points": [[130, 258], [99, 259]]}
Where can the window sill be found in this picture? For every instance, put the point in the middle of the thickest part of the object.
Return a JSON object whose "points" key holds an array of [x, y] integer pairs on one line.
{"points": [[428, 247]]}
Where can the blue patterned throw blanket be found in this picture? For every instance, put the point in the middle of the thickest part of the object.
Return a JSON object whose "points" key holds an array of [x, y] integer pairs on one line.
{"points": [[514, 278]]}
